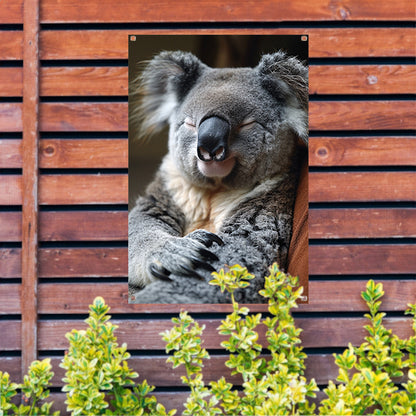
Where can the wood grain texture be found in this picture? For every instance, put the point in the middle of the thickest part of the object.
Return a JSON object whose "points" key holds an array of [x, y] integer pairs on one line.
{"points": [[85, 81], [13, 329], [30, 181], [112, 188], [325, 296], [11, 117], [158, 372], [68, 262], [323, 79], [83, 189], [362, 151], [11, 11], [83, 117], [323, 115], [336, 259], [98, 11], [10, 226], [362, 115], [323, 43], [362, 223], [10, 300], [362, 186], [144, 334], [10, 154], [11, 44], [362, 79], [362, 259], [83, 153], [11, 82]]}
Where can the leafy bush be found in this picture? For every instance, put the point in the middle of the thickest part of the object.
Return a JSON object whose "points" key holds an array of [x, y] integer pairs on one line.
{"points": [[98, 380]]}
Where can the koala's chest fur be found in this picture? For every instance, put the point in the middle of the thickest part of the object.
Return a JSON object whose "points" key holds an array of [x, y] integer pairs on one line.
{"points": [[203, 208]]}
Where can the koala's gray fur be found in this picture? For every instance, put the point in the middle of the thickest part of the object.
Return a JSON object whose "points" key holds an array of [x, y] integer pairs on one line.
{"points": [[242, 191]]}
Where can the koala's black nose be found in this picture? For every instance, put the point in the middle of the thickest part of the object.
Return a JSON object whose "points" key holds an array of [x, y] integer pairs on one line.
{"points": [[213, 135]]}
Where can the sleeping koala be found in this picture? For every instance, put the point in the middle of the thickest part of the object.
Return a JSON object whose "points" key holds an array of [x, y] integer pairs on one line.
{"points": [[224, 193]]}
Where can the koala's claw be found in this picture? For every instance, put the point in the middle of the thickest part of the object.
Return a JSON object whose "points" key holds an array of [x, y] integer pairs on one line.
{"points": [[160, 272], [198, 263], [208, 254], [210, 238]]}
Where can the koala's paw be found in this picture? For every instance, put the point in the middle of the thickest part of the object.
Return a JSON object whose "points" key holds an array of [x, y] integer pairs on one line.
{"points": [[186, 256]]}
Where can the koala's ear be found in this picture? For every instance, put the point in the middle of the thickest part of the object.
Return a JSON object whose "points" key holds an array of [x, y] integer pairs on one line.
{"points": [[163, 84], [286, 78]]}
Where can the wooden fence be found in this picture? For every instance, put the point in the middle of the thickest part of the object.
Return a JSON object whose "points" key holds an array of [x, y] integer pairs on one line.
{"points": [[63, 165]]}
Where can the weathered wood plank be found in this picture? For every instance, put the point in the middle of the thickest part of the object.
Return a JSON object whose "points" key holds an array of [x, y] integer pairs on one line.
{"points": [[96, 11], [158, 372], [145, 334], [112, 262], [362, 186], [325, 296], [11, 82], [361, 115], [14, 335], [362, 259], [83, 153], [30, 181], [362, 151], [112, 188], [323, 115], [83, 189], [11, 117], [362, 223], [10, 154], [323, 79], [10, 300], [362, 79], [330, 42], [11, 44], [59, 226], [11, 11], [101, 262], [83, 117], [85, 81]]}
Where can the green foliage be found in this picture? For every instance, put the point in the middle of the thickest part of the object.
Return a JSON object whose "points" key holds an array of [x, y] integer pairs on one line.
{"points": [[270, 387], [34, 389], [367, 373], [98, 380]]}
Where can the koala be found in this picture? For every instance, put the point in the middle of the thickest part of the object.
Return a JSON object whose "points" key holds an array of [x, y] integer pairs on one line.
{"points": [[224, 193]]}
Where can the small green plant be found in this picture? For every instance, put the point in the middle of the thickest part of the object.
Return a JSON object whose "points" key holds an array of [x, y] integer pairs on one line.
{"points": [[270, 387], [367, 373], [98, 380], [34, 389]]}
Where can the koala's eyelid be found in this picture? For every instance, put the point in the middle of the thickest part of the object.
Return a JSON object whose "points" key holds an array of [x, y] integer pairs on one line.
{"points": [[247, 122], [188, 121]]}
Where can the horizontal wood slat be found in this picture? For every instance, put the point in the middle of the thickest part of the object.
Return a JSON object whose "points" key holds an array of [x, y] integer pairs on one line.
{"points": [[323, 43], [10, 294], [361, 115], [158, 372], [362, 186], [11, 44], [362, 259], [144, 334], [362, 79], [362, 223], [108, 81], [112, 225], [112, 188], [11, 11], [112, 262], [325, 296], [323, 115], [362, 151], [98, 11], [112, 153]]}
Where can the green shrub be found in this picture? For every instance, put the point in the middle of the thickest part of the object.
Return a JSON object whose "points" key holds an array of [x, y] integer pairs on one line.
{"points": [[98, 380]]}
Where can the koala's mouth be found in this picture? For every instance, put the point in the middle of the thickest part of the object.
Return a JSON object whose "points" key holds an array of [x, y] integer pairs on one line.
{"points": [[213, 169]]}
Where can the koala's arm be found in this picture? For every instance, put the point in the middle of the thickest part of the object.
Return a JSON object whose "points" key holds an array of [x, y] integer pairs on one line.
{"points": [[256, 234]]}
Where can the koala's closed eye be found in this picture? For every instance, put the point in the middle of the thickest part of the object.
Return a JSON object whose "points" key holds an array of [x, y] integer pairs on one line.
{"points": [[247, 124]]}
